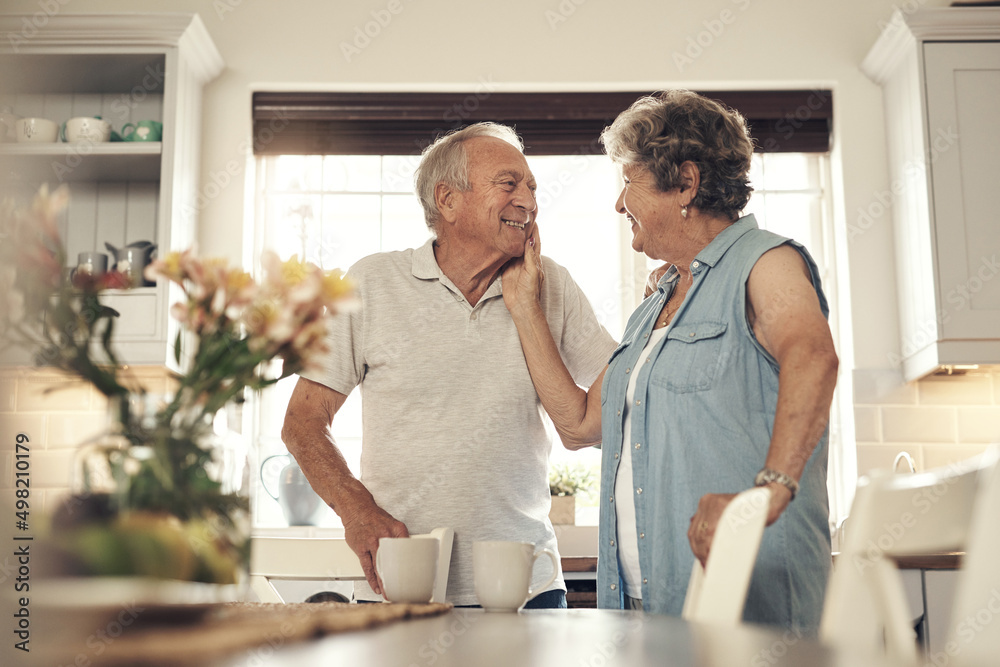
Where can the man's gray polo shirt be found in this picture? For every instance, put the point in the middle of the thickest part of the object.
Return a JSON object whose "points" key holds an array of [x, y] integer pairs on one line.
{"points": [[453, 432]]}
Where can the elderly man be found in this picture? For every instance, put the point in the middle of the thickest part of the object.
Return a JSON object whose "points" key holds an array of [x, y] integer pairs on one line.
{"points": [[452, 427]]}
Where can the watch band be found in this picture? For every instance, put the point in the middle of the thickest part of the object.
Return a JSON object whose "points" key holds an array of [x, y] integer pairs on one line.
{"points": [[768, 475]]}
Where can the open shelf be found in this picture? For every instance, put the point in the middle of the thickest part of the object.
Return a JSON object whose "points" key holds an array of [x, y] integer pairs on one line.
{"points": [[65, 162]]}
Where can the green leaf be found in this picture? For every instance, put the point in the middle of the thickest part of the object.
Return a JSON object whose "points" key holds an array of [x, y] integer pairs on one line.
{"points": [[177, 347]]}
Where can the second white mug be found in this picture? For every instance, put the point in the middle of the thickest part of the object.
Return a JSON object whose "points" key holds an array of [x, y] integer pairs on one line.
{"points": [[502, 573]]}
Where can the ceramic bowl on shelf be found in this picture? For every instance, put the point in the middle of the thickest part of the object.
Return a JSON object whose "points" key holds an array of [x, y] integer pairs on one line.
{"points": [[36, 130], [86, 128]]}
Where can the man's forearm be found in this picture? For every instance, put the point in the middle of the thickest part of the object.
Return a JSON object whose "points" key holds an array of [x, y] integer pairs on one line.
{"points": [[324, 465]]}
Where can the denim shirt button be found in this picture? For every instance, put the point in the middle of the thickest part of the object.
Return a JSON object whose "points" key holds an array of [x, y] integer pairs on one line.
{"points": [[628, 370], [639, 491], [638, 445], [616, 455], [642, 536], [611, 499], [612, 543], [614, 586], [644, 580]]}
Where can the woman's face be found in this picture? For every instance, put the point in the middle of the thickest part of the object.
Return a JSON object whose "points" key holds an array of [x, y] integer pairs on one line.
{"points": [[650, 211]]}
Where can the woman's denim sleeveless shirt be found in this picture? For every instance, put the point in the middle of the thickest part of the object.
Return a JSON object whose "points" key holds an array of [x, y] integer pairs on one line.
{"points": [[701, 423]]}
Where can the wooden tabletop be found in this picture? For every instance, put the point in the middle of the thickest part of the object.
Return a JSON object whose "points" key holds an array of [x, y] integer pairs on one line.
{"points": [[548, 638], [951, 560]]}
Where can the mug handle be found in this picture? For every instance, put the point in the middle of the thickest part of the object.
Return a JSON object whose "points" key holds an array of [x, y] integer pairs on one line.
{"points": [[62, 131], [126, 134], [262, 481], [555, 571]]}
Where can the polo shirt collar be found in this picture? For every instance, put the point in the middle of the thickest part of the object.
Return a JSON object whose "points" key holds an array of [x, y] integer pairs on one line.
{"points": [[424, 266]]}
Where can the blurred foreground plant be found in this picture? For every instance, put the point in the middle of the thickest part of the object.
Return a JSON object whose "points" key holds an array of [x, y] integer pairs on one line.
{"points": [[231, 328]]}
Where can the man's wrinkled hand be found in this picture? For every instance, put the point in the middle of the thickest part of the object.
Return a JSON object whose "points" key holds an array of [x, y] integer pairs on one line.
{"points": [[362, 530]]}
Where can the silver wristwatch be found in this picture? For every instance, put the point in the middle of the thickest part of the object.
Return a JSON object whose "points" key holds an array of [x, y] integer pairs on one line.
{"points": [[768, 475]]}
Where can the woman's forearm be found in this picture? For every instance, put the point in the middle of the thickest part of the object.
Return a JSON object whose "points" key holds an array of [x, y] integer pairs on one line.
{"points": [[575, 413]]}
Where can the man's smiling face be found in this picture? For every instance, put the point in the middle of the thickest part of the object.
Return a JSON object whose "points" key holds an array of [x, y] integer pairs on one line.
{"points": [[497, 213]]}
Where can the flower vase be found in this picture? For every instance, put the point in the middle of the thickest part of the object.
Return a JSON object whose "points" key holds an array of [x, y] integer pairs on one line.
{"points": [[563, 510], [159, 498]]}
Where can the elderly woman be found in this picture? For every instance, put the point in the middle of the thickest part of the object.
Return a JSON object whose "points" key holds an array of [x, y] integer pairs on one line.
{"points": [[723, 379]]}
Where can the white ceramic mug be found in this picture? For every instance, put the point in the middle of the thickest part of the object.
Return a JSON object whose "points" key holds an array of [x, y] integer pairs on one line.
{"points": [[36, 130], [502, 573], [407, 567], [86, 128]]}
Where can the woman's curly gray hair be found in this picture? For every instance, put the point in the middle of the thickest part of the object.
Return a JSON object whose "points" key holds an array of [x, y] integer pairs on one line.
{"points": [[661, 131], [446, 161]]}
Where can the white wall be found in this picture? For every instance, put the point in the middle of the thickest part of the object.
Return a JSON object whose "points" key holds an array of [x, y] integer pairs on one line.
{"points": [[584, 45]]}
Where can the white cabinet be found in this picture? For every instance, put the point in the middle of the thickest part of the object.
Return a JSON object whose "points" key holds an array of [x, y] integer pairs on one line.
{"points": [[940, 73], [124, 68]]}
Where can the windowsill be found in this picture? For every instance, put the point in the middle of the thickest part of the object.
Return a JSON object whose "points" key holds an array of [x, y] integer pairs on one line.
{"points": [[298, 531]]}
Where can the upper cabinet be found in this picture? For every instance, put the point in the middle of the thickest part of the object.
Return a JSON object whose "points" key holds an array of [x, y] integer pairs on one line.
{"points": [[124, 68], [940, 74]]}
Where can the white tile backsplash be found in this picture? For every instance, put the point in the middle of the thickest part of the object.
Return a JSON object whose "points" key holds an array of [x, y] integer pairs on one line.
{"points": [[66, 430], [29, 423], [979, 424], [936, 456], [880, 456], [919, 424], [938, 420], [52, 468], [883, 387], [867, 425], [971, 389], [50, 393]]}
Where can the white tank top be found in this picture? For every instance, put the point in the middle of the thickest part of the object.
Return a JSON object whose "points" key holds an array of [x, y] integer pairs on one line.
{"points": [[628, 539]]}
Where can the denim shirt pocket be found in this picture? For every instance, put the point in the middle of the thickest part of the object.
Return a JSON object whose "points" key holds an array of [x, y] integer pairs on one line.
{"points": [[691, 357]]}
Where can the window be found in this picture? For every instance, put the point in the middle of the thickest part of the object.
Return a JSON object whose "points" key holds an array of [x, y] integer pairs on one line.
{"points": [[335, 209]]}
